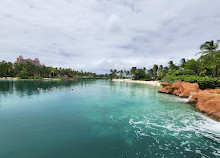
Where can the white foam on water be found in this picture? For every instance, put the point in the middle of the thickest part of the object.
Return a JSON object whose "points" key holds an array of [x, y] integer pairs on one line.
{"points": [[175, 99], [194, 125], [185, 100], [190, 97]]}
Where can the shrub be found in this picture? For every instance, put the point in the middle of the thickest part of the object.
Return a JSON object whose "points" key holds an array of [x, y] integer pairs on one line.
{"points": [[204, 82]]}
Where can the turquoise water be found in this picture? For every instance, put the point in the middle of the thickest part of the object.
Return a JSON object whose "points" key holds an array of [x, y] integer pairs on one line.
{"points": [[100, 119]]}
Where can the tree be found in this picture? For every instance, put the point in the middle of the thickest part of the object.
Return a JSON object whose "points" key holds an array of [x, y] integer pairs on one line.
{"points": [[113, 73], [151, 73], [127, 73], [211, 63], [172, 66], [121, 73], [193, 65], [133, 70], [160, 75], [208, 47], [52, 71], [155, 69], [140, 73], [160, 68], [182, 62], [4, 68]]}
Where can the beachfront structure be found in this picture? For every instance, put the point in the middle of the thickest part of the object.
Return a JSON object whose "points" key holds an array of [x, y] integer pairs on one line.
{"points": [[36, 61]]}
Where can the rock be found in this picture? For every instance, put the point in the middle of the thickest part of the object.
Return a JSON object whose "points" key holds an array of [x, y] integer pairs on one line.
{"points": [[181, 89], [177, 88], [207, 101], [193, 99], [166, 88], [189, 88], [165, 84]]}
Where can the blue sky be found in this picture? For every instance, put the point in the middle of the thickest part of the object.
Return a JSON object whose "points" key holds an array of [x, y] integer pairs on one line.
{"points": [[97, 35]]}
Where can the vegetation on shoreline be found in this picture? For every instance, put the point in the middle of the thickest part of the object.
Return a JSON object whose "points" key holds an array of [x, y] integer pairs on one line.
{"points": [[205, 70], [28, 70]]}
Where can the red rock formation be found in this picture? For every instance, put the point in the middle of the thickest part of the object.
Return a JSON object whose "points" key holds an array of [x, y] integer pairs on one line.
{"points": [[181, 89], [206, 101], [166, 88], [193, 99]]}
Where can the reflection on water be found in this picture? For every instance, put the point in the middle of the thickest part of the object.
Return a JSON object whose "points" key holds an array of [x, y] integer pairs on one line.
{"points": [[34, 87], [97, 118]]}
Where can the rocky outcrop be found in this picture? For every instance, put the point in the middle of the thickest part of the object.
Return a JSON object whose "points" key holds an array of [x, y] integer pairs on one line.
{"points": [[166, 88], [181, 89], [206, 101]]}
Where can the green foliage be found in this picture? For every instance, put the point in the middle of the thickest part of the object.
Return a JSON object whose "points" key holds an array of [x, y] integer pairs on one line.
{"points": [[182, 62], [133, 70], [204, 82], [208, 47], [180, 72], [193, 65], [205, 70], [211, 63], [155, 69], [5, 68], [28, 70], [160, 75], [140, 73]]}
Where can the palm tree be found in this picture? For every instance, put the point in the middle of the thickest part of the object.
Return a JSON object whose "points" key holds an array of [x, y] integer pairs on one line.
{"points": [[127, 73], [182, 62], [208, 47], [170, 63], [172, 66], [160, 68], [151, 73], [133, 70], [53, 72], [155, 69], [121, 73]]}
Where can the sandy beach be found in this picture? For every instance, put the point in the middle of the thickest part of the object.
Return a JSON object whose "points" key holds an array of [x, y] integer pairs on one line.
{"points": [[156, 83], [9, 78], [16, 78]]}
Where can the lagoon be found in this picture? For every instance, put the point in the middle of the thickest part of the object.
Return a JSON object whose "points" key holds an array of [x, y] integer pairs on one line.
{"points": [[100, 119]]}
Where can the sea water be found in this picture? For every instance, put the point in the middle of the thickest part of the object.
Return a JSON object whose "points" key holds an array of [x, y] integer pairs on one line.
{"points": [[100, 119]]}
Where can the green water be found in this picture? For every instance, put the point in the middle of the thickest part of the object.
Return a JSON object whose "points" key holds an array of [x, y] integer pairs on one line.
{"points": [[100, 119]]}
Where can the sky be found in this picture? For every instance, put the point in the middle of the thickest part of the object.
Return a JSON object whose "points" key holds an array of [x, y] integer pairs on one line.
{"points": [[99, 35]]}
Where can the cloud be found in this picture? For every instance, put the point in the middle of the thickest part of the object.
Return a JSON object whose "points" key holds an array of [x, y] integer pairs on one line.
{"points": [[99, 35]]}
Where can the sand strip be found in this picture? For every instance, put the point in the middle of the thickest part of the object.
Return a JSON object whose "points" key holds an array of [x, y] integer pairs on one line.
{"points": [[156, 83]]}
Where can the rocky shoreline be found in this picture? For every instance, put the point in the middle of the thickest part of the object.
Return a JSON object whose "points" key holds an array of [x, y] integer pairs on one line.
{"points": [[206, 101]]}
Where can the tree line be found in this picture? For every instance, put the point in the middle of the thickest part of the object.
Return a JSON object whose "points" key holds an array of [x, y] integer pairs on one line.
{"points": [[206, 68], [29, 70]]}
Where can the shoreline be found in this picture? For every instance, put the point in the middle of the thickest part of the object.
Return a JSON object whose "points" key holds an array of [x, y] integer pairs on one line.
{"points": [[206, 101], [155, 83], [16, 79]]}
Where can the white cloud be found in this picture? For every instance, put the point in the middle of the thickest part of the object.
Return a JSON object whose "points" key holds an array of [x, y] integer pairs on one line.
{"points": [[97, 35]]}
